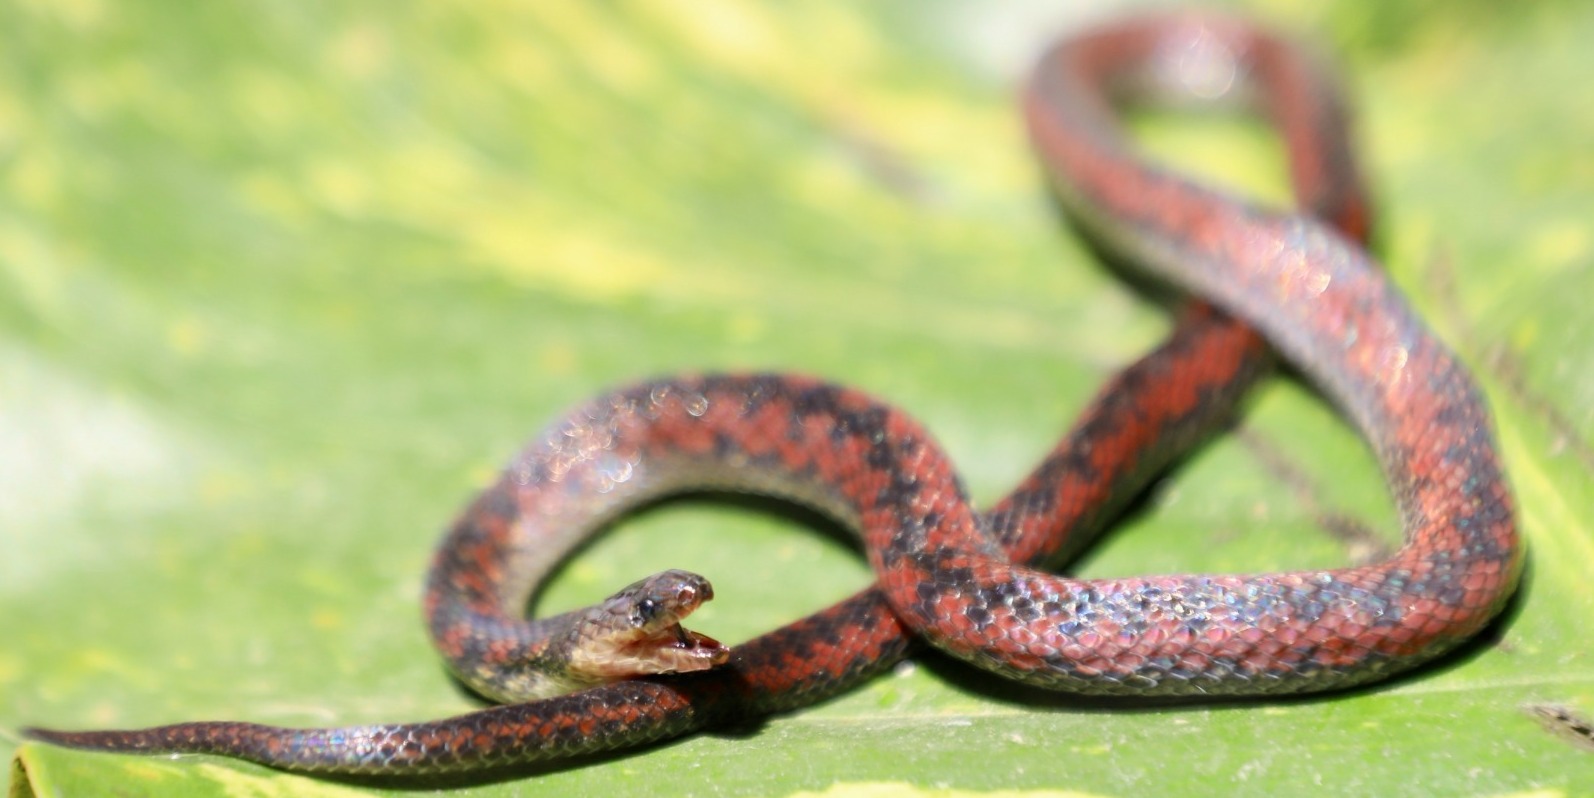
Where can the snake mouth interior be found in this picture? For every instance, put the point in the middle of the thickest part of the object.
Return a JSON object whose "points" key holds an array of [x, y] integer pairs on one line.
{"points": [[678, 649], [672, 649]]}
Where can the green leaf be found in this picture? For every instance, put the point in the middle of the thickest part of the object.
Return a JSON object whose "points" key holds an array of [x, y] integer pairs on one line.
{"points": [[282, 284]]}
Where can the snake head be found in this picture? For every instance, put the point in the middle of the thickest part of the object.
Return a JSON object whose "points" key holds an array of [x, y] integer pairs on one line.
{"points": [[637, 631]]}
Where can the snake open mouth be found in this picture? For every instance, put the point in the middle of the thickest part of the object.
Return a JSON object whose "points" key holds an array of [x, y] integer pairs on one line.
{"points": [[676, 649], [670, 649]]}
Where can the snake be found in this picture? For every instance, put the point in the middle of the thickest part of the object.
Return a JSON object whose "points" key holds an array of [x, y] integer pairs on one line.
{"points": [[1258, 282]]}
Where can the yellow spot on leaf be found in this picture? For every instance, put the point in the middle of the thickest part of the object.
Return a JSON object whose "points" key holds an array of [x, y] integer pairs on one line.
{"points": [[733, 34], [483, 475], [35, 182], [186, 336], [269, 193], [272, 104], [239, 784], [79, 15], [745, 328], [1561, 243], [360, 52], [217, 487], [557, 359], [326, 619], [149, 770], [578, 261], [617, 60], [1526, 334], [897, 789], [341, 186]]}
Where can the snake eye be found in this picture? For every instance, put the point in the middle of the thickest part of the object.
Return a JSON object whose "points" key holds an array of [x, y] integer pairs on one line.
{"points": [[646, 610]]}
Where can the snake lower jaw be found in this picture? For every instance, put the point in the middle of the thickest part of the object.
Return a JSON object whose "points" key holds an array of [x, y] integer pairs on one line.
{"points": [[690, 651], [673, 649]]}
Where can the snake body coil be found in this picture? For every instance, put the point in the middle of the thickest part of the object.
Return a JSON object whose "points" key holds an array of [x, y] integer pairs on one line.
{"points": [[945, 571]]}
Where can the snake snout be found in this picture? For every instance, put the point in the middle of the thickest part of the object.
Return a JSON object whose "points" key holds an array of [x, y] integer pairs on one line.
{"points": [[696, 594]]}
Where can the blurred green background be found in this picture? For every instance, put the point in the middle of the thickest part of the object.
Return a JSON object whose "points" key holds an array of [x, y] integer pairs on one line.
{"points": [[281, 284]]}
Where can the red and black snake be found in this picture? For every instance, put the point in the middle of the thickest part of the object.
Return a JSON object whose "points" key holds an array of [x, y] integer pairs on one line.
{"points": [[945, 571]]}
